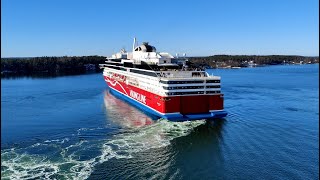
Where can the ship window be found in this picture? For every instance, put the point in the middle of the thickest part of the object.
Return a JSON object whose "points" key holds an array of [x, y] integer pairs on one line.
{"points": [[164, 61], [210, 92], [213, 86], [123, 69], [213, 81]]}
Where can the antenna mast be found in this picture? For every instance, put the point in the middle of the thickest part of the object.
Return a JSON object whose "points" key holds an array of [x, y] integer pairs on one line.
{"points": [[134, 44]]}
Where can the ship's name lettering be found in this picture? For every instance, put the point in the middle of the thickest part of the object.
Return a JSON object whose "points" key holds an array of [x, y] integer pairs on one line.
{"points": [[119, 77], [138, 96]]}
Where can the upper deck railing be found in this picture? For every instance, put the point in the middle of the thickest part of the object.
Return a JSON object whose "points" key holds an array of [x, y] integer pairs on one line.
{"points": [[185, 74]]}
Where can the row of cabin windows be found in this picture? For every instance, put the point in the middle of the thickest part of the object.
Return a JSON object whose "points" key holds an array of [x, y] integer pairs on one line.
{"points": [[218, 86], [189, 87], [180, 82], [184, 87], [189, 82], [197, 92], [211, 92], [183, 93], [213, 81]]}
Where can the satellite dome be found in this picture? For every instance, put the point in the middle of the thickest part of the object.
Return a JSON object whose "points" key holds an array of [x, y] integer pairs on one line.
{"points": [[145, 47]]}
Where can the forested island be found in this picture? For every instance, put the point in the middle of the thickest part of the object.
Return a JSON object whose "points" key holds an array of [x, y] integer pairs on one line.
{"points": [[50, 66], [229, 61], [68, 65]]}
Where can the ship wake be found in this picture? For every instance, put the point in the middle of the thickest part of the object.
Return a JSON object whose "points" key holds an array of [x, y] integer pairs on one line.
{"points": [[70, 158]]}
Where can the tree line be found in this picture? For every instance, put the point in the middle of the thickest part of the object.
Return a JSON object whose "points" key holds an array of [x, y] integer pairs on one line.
{"points": [[51, 65], [243, 60]]}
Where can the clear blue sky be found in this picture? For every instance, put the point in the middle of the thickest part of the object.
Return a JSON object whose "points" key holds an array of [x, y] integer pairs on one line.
{"points": [[198, 28]]}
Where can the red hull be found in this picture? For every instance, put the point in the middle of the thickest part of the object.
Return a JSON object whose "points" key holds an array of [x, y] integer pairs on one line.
{"points": [[173, 104]]}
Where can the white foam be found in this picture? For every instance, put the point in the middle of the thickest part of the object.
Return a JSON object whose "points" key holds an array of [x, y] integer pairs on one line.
{"points": [[24, 166], [154, 136], [18, 165], [61, 141]]}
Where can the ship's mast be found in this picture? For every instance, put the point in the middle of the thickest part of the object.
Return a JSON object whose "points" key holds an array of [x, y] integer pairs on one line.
{"points": [[134, 44]]}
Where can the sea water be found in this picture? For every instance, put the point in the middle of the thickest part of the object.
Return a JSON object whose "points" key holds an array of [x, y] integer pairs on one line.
{"points": [[72, 127]]}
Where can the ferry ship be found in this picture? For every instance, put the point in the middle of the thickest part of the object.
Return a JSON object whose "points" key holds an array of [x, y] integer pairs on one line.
{"points": [[163, 85]]}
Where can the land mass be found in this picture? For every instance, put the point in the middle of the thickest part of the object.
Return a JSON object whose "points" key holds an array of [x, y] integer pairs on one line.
{"points": [[67, 65], [229, 61], [50, 66]]}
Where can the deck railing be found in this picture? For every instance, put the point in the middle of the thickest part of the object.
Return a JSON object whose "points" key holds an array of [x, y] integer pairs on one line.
{"points": [[185, 74]]}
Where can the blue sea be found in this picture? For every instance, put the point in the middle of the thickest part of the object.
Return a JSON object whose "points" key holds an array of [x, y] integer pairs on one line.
{"points": [[72, 127]]}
